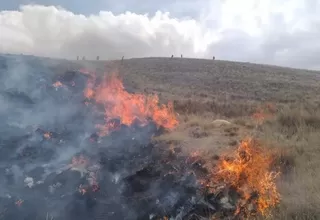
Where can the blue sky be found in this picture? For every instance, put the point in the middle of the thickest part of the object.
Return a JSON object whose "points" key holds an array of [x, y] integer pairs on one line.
{"points": [[85, 7], [263, 31], [178, 8]]}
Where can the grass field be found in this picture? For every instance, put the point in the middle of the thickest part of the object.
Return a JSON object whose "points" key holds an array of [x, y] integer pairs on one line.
{"points": [[206, 90]]}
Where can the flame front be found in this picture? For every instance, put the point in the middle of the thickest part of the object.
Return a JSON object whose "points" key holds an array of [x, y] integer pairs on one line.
{"points": [[249, 173], [127, 107]]}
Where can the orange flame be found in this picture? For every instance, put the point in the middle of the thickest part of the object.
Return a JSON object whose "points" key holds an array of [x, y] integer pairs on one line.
{"points": [[47, 135], [107, 128], [82, 190], [88, 93], [57, 84], [127, 107], [89, 90], [249, 173]]}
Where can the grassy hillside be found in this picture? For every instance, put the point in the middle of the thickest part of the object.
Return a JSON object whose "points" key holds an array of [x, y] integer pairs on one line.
{"points": [[206, 90]]}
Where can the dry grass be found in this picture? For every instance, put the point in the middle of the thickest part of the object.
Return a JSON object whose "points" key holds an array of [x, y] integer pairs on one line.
{"points": [[222, 109], [295, 130], [204, 133], [205, 90]]}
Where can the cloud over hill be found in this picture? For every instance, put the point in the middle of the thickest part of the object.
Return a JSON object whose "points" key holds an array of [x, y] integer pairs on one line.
{"points": [[264, 32]]}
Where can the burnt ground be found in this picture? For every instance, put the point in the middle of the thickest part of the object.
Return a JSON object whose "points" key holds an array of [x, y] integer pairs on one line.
{"points": [[203, 91], [54, 165], [206, 90]]}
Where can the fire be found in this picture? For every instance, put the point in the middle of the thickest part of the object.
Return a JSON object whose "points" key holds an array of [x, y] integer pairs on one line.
{"points": [[83, 165], [82, 190], [47, 135], [127, 107], [88, 93], [107, 127], [57, 84], [89, 90], [249, 173]]}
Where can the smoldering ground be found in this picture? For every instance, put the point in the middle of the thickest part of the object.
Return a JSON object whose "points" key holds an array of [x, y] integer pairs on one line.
{"points": [[54, 165], [77, 145]]}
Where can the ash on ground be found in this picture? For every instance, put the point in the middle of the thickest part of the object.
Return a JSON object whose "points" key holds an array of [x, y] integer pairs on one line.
{"points": [[55, 166]]}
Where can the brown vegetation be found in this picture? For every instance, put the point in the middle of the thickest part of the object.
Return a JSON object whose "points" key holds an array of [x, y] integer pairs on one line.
{"points": [[204, 91]]}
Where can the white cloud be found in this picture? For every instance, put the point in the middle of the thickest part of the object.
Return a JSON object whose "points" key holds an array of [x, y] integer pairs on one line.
{"points": [[52, 31], [265, 31]]}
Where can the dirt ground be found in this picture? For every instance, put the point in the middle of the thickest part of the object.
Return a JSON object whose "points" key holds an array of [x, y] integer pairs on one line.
{"points": [[204, 91]]}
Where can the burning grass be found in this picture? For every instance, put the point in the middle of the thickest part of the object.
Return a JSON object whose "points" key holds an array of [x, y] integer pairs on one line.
{"points": [[117, 169], [295, 131], [128, 108], [57, 84], [248, 174], [227, 185]]}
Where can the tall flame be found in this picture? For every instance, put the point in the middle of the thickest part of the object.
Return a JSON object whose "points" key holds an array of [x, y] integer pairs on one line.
{"points": [[127, 107], [249, 173]]}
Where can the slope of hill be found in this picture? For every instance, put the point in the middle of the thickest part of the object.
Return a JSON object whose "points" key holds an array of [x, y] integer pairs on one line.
{"points": [[205, 90], [214, 78], [279, 106]]}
